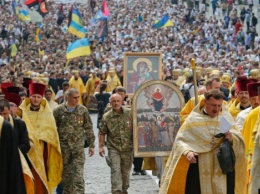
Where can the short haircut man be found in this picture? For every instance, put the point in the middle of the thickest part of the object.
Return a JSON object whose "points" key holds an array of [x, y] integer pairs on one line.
{"points": [[195, 149]]}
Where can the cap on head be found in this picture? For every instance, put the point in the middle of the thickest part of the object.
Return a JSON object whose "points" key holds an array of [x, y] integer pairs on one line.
{"points": [[255, 73], [112, 70], [26, 82], [226, 78], [13, 89], [176, 72], [4, 87], [253, 89], [15, 98], [37, 88], [241, 83]]}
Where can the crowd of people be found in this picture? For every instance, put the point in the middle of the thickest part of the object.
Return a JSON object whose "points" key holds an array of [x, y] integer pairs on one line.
{"points": [[46, 87]]}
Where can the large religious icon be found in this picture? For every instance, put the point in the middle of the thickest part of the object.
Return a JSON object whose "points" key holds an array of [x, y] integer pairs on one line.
{"points": [[156, 107], [140, 68]]}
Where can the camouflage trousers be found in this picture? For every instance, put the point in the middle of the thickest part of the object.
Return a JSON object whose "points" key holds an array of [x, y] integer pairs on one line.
{"points": [[121, 163], [73, 168]]}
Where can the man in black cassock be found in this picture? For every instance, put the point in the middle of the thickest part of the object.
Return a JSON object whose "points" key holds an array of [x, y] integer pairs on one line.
{"points": [[11, 174]]}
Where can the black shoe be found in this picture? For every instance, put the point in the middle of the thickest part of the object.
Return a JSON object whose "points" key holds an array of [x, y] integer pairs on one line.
{"points": [[135, 173], [143, 172]]}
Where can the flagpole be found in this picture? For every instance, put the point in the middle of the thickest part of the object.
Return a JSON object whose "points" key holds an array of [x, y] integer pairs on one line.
{"points": [[193, 66]]}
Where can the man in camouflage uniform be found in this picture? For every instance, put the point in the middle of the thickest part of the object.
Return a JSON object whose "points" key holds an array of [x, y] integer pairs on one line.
{"points": [[72, 121], [117, 124]]}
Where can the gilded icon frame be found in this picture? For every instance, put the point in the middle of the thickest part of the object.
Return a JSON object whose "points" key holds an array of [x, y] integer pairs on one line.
{"points": [[133, 78], [156, 107]]}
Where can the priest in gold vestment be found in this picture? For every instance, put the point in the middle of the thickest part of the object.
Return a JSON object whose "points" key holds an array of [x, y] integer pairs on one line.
{"points": [[193, 167], [92, 83], [45, 154], [77, 83], [254, 184], [242, 102], [211, 83], [112, 80], [249, 131]]}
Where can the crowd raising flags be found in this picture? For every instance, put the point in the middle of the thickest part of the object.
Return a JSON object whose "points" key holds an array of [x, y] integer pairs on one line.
{"points": [[21, 13], [75, 26], [78, 48], [164, 22]]}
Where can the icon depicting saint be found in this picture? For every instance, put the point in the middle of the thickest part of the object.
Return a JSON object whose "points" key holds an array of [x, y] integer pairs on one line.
{"points": [[142, 68], [157, 100]]}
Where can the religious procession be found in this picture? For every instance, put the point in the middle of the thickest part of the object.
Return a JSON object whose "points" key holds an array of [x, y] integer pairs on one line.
{"points": [[129, 97]]}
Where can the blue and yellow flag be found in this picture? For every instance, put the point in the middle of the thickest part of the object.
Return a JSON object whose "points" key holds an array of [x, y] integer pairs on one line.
{"points": [[38, 35], [164, 22], [76, 24], [78, 48], [21, 13], [13, 50]]}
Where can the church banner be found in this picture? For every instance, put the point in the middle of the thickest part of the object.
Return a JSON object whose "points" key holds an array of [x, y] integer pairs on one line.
{"points": [[156, 107]]}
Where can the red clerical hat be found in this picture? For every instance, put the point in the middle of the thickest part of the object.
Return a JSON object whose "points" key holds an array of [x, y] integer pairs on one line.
{"points": [[36, 88], [252, 89], [12, 97], [241, 83], [26, 82], [4, 86], [13, 89], [27, 79]]}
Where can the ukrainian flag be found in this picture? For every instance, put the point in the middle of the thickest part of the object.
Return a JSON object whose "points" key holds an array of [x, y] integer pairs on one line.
{"points": [[78, 48], [76, 25], [164, 22], [13, 50], [23, 15], [38, 36]]}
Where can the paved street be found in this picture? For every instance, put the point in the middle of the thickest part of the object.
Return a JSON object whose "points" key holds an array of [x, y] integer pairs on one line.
{"points": [[97, 175]]}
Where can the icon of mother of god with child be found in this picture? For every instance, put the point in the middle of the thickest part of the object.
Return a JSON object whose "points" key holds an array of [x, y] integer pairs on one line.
{"points": [[142, 68]]}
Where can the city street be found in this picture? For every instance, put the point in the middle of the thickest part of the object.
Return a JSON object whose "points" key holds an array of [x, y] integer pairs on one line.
{"points": [[97, 174]]}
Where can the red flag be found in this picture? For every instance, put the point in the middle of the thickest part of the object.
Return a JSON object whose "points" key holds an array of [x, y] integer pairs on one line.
{"points": [[31, 3], [42, 9], [105, 10]]}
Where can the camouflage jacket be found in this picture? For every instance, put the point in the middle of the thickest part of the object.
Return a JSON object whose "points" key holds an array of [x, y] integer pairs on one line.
{"points": [[71, 125], [119, 130]]}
